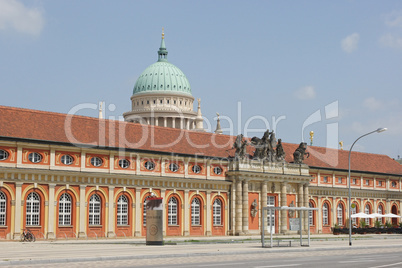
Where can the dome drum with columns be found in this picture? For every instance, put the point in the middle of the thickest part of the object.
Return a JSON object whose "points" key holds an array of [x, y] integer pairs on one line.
{"points": [[162, 97]]}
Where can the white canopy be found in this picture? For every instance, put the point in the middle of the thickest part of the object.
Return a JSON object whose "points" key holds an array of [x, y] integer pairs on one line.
{"points": [[360, 215], [390, 215], [376, 215]]}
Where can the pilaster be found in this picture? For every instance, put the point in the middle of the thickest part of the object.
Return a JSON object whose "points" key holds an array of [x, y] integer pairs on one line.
{"points": [[82, 228], [186, 214], [208, 214], [245, 206], [18, 211], [52, 206], [283, 219], [138, 212], [111, 213], [239, 209]]}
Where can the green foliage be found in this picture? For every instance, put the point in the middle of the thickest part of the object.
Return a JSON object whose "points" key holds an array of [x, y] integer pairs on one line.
{"points": [[363, 223], [388, 224], [336, 226], [377, 224]]}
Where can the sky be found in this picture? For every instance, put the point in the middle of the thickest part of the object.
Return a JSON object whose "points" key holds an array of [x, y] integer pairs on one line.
{"points": [[332, 67]]}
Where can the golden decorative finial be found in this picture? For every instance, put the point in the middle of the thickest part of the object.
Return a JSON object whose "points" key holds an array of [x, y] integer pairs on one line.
{"points": [[163, 33], [311, 137], [341, 144]]}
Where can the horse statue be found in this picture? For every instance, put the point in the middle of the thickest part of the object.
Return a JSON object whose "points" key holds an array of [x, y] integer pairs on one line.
{"points": [[300, 152]]}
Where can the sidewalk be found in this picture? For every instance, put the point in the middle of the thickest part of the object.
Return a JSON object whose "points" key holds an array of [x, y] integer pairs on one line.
{"points": [[62, 251]]}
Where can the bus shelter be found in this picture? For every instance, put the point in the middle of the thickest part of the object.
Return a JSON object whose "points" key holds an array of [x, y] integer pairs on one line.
{"points": [[270, 212]]}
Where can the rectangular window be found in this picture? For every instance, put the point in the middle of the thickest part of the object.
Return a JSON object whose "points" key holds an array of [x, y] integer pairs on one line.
{"points": [[339, 180], [367, 182], [379, 183], [354, 181], [325, 179]]}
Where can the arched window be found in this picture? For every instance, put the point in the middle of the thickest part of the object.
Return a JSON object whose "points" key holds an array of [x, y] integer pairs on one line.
{"points": [[3, 202], [122, 210], [367, 211], [65, 209], [310, 214], [94, 210], [339, 214], [33, 209], [195, 212], [172, 211], [325, 214], [353, 210], [217, 212]]}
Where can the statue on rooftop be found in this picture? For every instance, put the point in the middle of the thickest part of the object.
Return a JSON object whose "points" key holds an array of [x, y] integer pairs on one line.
{"points": [[298, 155], [240, 145], [265, 147], [280, 153]]}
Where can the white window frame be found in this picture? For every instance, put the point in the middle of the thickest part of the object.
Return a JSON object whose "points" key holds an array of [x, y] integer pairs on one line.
{"points": [[172, 211], [339, 214], [353, 211], [196, 169], [96, 161], [173, 167], [3, 207], [122, 210], [379, 211], [144, 211], [124, 163], [3, 155], [94, 215], [367, 211], [325, 214], [67, 159], [149, 165], [217, 212], [33, 209], [35, 157], [195, 211], [65, 209], [310, 214]]}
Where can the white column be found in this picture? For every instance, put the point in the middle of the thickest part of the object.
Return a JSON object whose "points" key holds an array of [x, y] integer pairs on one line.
{"points": [[173, 122], [164, 122], [111, 212], [138, 213], [284, 216], [306, 204], [208, 214], [239, 207], [245, 207], [18, 211], [264, 198], [164, 211], [83, 223], [52, 205], [319, 216], [186, 214]]}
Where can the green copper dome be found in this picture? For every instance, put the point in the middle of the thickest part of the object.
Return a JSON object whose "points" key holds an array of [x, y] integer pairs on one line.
{"points": [[162, 77]]}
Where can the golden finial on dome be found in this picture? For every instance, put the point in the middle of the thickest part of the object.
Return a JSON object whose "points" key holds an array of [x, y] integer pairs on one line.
{"points": [[163, 33]]}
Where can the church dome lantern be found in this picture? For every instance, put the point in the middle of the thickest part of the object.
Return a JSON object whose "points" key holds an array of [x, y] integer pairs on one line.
{"points": [[162, 95]]}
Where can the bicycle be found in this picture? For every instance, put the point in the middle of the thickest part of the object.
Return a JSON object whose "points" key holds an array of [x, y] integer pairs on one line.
{"points": [[27, 236]]}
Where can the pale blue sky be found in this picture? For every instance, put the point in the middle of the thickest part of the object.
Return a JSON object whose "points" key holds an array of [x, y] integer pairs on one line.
{"points": [[278, 58]]}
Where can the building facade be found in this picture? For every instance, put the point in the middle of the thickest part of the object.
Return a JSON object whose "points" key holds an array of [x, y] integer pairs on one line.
{"points": [[64, 176]]}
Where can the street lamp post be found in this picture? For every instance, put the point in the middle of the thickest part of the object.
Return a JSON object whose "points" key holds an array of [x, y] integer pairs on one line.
{"points": [[350, 203]]}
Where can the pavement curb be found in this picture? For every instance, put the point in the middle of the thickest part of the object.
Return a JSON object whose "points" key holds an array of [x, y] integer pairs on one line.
{"points": [[181, 255]]}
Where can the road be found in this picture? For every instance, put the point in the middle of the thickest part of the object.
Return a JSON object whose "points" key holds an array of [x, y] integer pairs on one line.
{"points": [[356, 258]]}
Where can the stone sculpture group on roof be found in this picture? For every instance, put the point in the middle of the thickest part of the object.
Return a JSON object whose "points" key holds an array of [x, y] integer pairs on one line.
{"points": [[267, 148]]}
